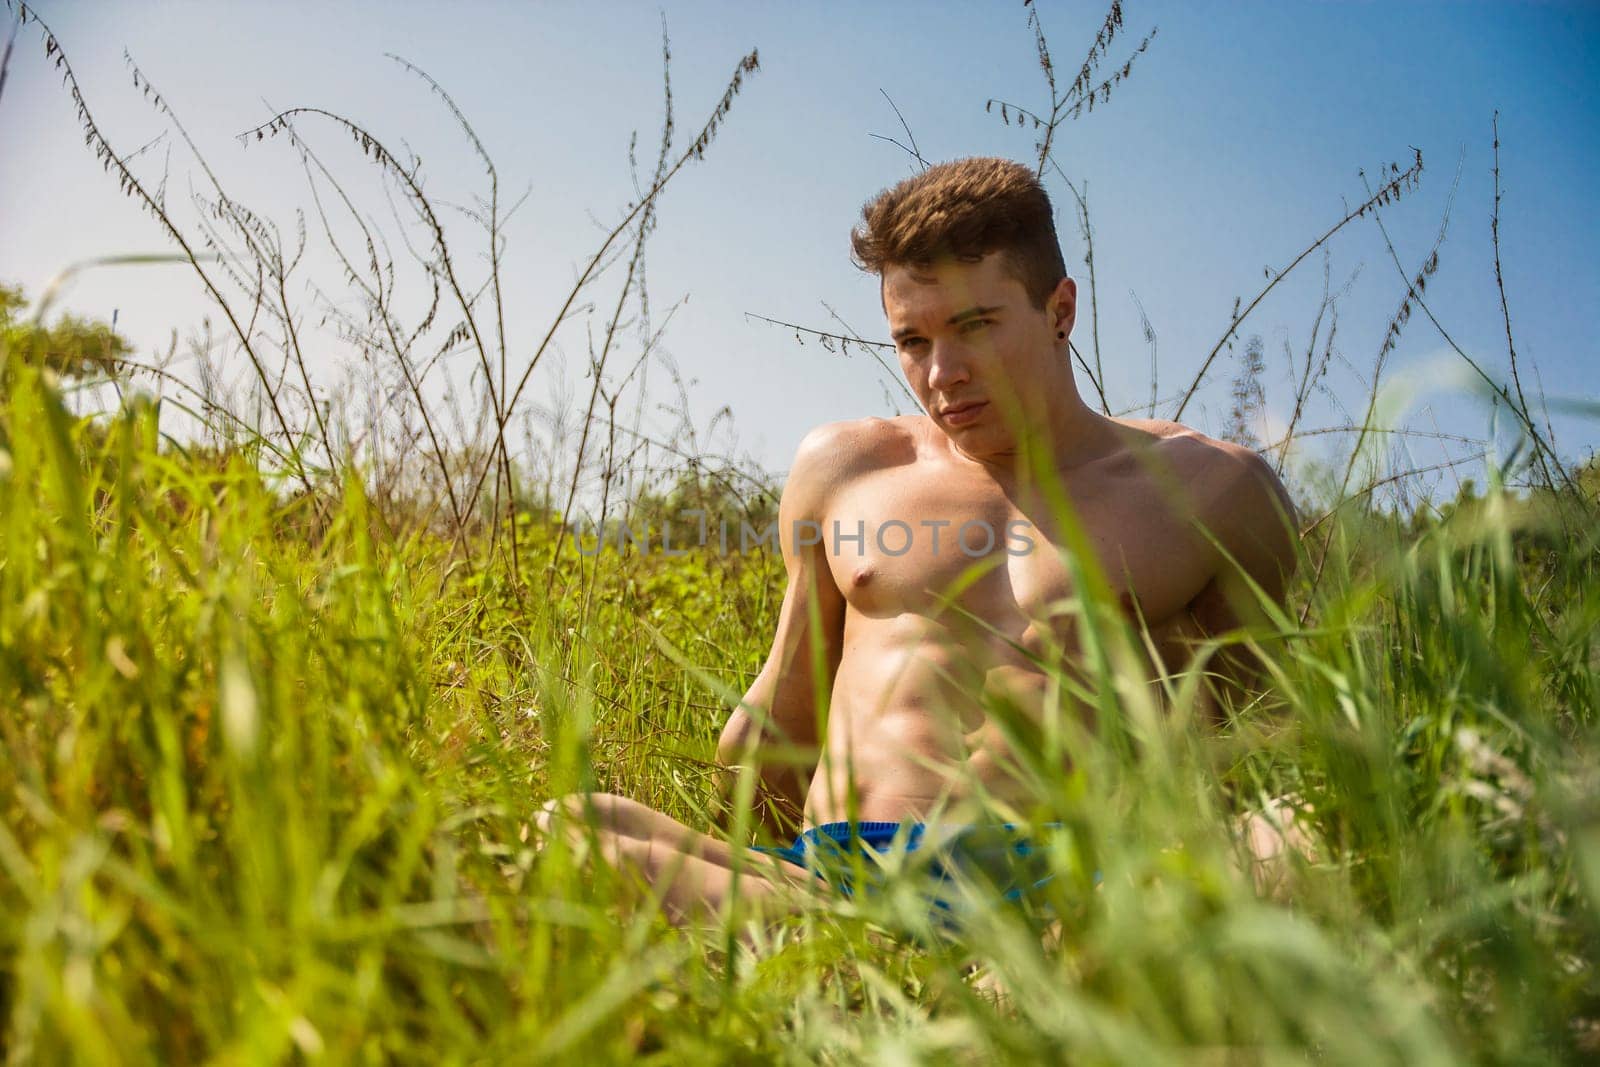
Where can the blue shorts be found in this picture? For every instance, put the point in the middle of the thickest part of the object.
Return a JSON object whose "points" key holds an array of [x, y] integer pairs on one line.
{"points": [[999, 854]]}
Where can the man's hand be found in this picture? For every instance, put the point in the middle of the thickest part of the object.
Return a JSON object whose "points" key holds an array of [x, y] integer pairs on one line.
{"points": [[780, 789]]}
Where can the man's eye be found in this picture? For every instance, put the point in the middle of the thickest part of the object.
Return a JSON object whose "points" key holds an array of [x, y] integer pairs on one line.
{"points": [[972, 325]]}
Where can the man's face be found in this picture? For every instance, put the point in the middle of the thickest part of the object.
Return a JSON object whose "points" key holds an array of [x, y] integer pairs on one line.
{"points": [[976, 352]]}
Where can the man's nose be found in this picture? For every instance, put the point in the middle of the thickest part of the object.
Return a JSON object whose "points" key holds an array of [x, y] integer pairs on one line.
{"points": [[948, 366]]}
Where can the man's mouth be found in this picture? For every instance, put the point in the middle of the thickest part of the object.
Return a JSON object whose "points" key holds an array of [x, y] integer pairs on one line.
{"points": [[961, 414]]}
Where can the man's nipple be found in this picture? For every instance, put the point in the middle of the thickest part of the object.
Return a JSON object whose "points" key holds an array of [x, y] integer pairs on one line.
{"points": [[863, 574]]}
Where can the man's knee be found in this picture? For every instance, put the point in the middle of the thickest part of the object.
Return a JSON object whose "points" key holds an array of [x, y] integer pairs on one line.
{"points": [[586, 819], [601, 811], [575, 810]]}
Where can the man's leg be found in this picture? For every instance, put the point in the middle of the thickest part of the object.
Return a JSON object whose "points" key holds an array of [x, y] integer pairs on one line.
{"points": [[691, 873]]}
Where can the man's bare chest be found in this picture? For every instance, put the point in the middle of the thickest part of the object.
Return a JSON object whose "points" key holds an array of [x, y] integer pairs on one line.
{"points": [[962, 547]]}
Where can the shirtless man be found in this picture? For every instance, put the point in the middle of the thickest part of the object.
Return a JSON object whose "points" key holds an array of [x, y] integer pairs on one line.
{"points": [[928, 576]]}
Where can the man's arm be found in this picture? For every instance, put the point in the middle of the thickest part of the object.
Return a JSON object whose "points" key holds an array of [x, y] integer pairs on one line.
{"points": [[776, 727], [1251, 520]]}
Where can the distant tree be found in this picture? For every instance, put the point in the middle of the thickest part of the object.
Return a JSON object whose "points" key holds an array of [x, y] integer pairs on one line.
{"points": [[704, 496], [73, 347]]}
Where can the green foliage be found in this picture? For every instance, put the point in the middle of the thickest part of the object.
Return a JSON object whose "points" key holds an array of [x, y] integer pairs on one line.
{"points": [[74, 347], [709, 500], [266, 795]]}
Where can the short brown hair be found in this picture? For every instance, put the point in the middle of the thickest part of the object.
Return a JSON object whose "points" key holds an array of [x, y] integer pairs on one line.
{"points": [[965, 209]]}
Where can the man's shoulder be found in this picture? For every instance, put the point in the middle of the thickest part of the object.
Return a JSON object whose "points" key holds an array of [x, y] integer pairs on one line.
{"points": [[873, 429], [1218, 476], [852, 446], [833, 455]]}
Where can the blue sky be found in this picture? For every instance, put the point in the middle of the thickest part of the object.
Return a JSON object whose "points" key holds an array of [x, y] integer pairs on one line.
{"points": [[1235, 143]]}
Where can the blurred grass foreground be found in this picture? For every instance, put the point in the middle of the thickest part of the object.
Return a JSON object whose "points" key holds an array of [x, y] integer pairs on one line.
{"points": [[269, 777], [277, 712]]}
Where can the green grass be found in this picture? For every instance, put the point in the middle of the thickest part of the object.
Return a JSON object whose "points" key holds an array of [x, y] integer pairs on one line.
{"points": [[269, 772]]}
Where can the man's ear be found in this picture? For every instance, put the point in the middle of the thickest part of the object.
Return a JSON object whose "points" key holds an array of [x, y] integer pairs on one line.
{"points": [[1062, 307]]}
